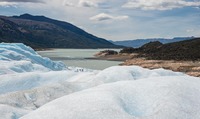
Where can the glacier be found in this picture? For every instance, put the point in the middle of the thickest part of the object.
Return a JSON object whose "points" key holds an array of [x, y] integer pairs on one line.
{"points": [[151, 98], [20, 58], [34, 87]]}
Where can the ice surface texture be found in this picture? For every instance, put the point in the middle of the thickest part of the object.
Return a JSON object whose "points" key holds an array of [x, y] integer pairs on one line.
{"points": [[21, 58], [175, 97], [33, 87]]}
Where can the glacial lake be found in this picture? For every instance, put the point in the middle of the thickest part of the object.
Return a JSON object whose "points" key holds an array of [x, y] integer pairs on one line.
{"points": [[77, 58]]}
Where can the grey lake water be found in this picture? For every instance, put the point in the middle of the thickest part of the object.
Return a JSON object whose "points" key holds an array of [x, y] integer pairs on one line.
{"points": [[78, 58]]}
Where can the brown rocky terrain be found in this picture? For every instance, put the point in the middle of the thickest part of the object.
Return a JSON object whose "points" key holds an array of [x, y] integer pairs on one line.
{"points": [[191, 68], [181, 56]]}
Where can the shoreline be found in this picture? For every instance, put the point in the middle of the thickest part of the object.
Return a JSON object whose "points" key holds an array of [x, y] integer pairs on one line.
{"points": [[111, 58], [191, 68], [43, 49]]}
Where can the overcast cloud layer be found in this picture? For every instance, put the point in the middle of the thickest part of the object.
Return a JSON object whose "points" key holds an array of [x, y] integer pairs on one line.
{"points": [[34, 1], [117, 19], [160, 4]]}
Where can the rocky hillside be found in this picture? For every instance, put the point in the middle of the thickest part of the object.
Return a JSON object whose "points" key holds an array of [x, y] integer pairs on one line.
{"points": [[183, 50], [140, 42], [43, 32]]}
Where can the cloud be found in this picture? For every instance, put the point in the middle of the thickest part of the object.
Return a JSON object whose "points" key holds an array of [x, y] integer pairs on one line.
{"points": [[70, 4], [102, 4], [15, 1], [88, 3], [7, 4], [82, 3], [104, 16], [160, 4]]}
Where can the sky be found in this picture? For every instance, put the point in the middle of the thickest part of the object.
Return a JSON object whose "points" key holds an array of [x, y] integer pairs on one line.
{"points": [[117, 19]]}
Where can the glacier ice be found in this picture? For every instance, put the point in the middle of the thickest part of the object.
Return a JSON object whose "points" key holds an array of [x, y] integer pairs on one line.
{"points": [[172, 97], [20, 58], [34, 87]]}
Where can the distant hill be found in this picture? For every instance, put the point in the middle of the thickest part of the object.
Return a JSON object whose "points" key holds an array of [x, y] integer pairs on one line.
{"points": [[139, 42], [43, 32], [182, 50]]}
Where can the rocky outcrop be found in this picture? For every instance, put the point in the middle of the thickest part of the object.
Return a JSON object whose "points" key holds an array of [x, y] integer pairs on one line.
{"points": [[183, 50], [106, 52]]}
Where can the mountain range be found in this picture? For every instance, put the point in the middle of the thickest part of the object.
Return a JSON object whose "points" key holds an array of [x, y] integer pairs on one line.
{"points": [[43, 32], [140, 42]]}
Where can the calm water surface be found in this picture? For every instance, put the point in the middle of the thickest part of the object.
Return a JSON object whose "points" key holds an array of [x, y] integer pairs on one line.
{"points": [[76, 57]]}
